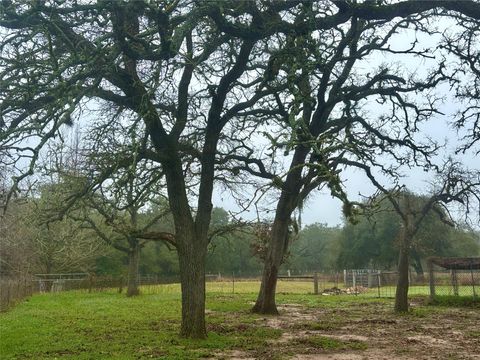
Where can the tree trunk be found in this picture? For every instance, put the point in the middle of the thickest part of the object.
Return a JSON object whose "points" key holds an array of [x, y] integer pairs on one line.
{"points": [[417, 264], [277, 248], [191, 237], [265, 303], [278, 244], [133, 262], [192, 258], [401, 295]]}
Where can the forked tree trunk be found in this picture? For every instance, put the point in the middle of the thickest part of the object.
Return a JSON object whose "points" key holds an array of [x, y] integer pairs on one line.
{"points": [[401, 295], [192, 277], [133, 262], [278, 246]]}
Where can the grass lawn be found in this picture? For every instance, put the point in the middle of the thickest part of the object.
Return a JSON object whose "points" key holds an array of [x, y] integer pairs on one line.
{"points": [[107, 325]]}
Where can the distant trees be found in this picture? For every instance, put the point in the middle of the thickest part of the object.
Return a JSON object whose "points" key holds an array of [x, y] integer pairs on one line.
{"points": [[33, 243], [125, 211], [373, 241], [16, 248], [315, 249], [453, 185], [60, 246], [231, 253]]}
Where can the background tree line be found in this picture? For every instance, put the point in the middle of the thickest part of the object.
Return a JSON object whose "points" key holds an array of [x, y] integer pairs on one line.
{"points": [[29, 245]]}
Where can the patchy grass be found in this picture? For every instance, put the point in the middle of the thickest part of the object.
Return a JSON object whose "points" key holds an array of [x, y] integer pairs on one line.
{"points": [[327, 343], [456, 301], [326, 326], [75, 325], [474, 334]]}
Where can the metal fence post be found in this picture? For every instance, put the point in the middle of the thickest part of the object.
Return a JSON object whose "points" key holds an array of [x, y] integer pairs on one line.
{"points": [[315, 283], [431, 279], [378, 283], [453, 274], [120, 288], [473, 281]]}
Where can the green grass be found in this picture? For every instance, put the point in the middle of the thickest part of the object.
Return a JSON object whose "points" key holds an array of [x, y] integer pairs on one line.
{"points": [[107, 325], [456, 301], [75, 325]]}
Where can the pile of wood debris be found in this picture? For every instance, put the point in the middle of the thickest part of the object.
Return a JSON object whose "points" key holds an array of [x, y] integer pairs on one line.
{"points": [[349, 291]]}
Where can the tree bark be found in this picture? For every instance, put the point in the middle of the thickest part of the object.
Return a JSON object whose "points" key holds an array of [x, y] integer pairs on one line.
{"points": [[278, 244], [417, 265], [277, 248], [192, 241], [401, 295], [192, 258], [133, 262]]}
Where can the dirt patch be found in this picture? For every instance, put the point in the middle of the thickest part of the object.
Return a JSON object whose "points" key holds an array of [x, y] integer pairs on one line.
{"points": [[370, 331], [234, 355]]}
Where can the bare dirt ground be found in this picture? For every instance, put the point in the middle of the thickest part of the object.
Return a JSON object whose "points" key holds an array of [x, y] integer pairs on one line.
{"points": [[370, 330]]}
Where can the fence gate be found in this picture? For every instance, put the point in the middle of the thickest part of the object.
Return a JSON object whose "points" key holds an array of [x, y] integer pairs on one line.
{"points": [[367, 278], [59, 282]]}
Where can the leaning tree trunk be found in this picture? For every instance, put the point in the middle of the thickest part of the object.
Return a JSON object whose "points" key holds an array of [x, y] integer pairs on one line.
{"points": [[401, 295], [278, 244], [133, 262], [192, 257], [277, 248]]}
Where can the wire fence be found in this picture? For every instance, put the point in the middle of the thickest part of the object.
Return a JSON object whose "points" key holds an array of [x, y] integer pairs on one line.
{"points": [[13, 290], [464, 283], [360, 282]]}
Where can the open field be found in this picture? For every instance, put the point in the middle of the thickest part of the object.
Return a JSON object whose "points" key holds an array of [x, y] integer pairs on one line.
{"points": [[107, 325]]}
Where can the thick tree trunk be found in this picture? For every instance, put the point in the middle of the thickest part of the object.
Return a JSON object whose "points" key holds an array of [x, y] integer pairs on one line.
{"points": [[191, 240], [401, 295], [278, 246], [133, 262], [265, 303], [192, 258]]}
